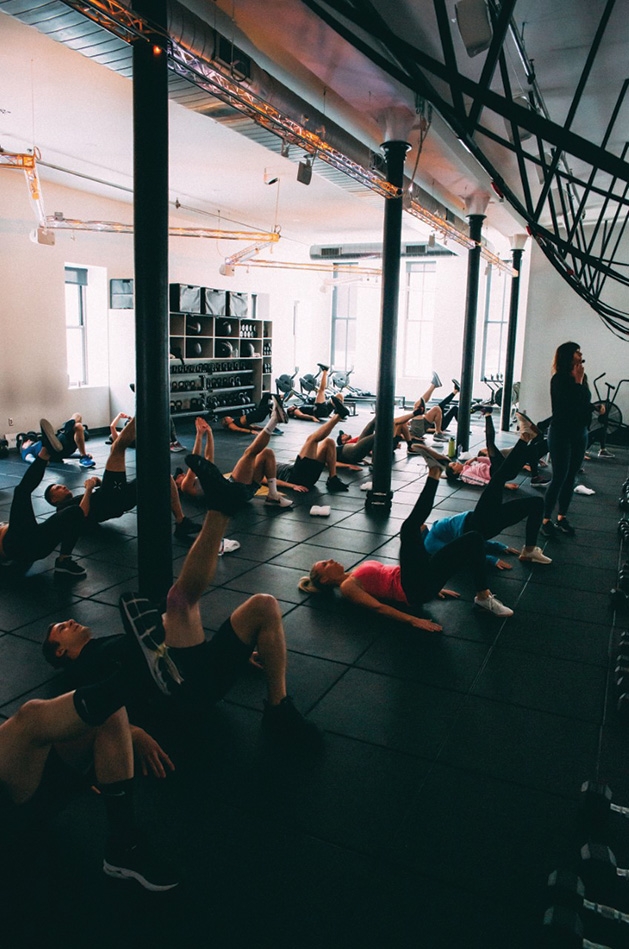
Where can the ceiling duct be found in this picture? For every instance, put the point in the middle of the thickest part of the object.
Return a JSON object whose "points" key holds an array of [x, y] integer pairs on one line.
{"points": [[70, 26], [363, 251]]}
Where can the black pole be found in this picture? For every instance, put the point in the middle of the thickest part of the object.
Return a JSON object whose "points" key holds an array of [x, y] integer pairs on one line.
{"points": [[379, 497], [469, 332], [150, 217], [512, 332]]}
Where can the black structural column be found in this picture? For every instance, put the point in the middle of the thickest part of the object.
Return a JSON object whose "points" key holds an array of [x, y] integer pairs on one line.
{"points": [[379, 497], [512, 331], [469, 332], [150, 169]]}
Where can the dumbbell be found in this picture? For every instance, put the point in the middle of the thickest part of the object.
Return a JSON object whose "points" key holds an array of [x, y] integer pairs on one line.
{"points": [[566, 889], [596, 805], [618, 597], [563, 929], [601, 873]]}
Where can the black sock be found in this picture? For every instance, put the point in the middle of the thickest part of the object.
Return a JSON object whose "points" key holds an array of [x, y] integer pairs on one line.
{"points": [[118, 798]]}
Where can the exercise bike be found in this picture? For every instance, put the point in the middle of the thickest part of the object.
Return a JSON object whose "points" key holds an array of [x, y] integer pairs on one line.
{"points": [[610, 422], [339, 379], [284, 385], [309, 384]]}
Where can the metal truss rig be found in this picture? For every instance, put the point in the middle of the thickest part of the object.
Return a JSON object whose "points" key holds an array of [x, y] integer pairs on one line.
{"points": [[555, 211], [116, 17]]}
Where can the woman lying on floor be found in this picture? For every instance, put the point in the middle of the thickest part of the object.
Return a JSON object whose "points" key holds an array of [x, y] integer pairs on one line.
{"points": [[419, 576]]}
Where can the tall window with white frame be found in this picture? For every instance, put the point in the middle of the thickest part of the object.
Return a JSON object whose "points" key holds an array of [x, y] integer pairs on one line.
{"points": [[417, 309], [76, 329], [496, 323], [344, 322]]}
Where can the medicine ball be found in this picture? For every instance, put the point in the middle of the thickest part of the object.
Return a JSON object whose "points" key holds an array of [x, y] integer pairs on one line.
{"points": [[248, 349], [224, 348], [197, 349], [4, 448], [193, 326]]}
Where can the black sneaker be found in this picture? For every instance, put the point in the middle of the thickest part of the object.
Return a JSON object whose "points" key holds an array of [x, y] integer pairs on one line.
{"points": [[335, 484], [285, 723], [548, 529], [341, 410], [138, 862], [539, 481], [185, 528], [322, 367], [71, 567], [456, 384], [565, 527], [143, 623], [50, 441], [222, 495], [176, 446]]}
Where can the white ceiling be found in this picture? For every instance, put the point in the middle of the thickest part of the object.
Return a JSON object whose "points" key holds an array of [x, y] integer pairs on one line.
{"points": [[78, 114]]}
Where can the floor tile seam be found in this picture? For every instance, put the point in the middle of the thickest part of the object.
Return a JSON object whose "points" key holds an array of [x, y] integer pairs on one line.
{"points": [[21, 696], [516, 647], [535, 708]]}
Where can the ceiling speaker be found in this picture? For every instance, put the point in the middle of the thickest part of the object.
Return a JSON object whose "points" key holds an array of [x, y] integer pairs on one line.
{"points": [[472, 17], [304, 172]]}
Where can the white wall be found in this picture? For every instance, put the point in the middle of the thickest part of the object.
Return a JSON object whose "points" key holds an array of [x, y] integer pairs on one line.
{"points": [[556, 314], [33, 382]]}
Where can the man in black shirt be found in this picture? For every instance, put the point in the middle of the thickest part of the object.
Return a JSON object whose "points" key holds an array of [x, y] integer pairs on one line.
{"points": [[174, 644], [115, 495]]}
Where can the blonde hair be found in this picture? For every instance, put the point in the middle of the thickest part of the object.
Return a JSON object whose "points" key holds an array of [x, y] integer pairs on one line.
{"points": [[307, 585]]}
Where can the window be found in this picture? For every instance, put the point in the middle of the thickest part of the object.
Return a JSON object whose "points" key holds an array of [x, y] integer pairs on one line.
{"points": [[417, 311], [496, 324], [343, 324], [76, 338]]}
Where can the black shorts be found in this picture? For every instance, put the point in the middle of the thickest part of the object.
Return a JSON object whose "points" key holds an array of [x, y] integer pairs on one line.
{"points": [[66, 436], [210, 669], [304, 471], [251, 489], [114, 497]]}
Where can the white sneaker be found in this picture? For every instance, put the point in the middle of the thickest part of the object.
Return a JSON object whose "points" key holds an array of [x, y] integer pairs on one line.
{"points": [[279, 501], [228, 546], [534, 556], [527, 427], [493, 605]]}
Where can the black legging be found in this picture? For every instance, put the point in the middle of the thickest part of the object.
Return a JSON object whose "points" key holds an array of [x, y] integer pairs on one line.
{"points": [[422, 575], [261, 411], [491, 515], [535, 450], [566, 456], [27, 539]]}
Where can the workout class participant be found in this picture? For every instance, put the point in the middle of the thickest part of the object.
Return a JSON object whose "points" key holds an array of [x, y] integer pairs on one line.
{"points": [[419, 577], [568, 433], [71, 438]]}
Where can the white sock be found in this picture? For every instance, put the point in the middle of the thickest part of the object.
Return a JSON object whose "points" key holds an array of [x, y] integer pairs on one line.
{"points": [[273, 420], [272, 483]]}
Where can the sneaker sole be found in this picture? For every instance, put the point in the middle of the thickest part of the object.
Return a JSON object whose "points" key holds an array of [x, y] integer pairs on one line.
{"points": [[149, 647], [50, 436], [71, 573], [124, 873]]}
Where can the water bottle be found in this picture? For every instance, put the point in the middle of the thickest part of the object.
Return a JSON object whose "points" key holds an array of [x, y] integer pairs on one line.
{"points": [[451, 449]]}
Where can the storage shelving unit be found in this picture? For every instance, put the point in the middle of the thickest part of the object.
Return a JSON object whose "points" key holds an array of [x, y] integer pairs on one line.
{"points": [[221, 354]]}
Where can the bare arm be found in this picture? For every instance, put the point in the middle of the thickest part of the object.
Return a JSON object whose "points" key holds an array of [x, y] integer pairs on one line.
{"points": [[113, 425], [86, 500], [352, 591]]}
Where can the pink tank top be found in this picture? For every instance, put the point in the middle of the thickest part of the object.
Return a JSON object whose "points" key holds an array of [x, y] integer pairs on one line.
{"points": [[380, 580]]}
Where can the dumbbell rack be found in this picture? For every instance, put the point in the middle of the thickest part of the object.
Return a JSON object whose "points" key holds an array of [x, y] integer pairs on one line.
{"points": [[226, 353]]}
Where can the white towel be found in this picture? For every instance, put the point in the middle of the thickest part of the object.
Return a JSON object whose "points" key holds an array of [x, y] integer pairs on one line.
{"points": [[322, 510]]}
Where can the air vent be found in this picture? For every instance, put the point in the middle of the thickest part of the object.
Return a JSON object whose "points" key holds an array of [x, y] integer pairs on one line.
{"points": [[415, 250], [229, 55], [331, 252], [373, 251]]}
